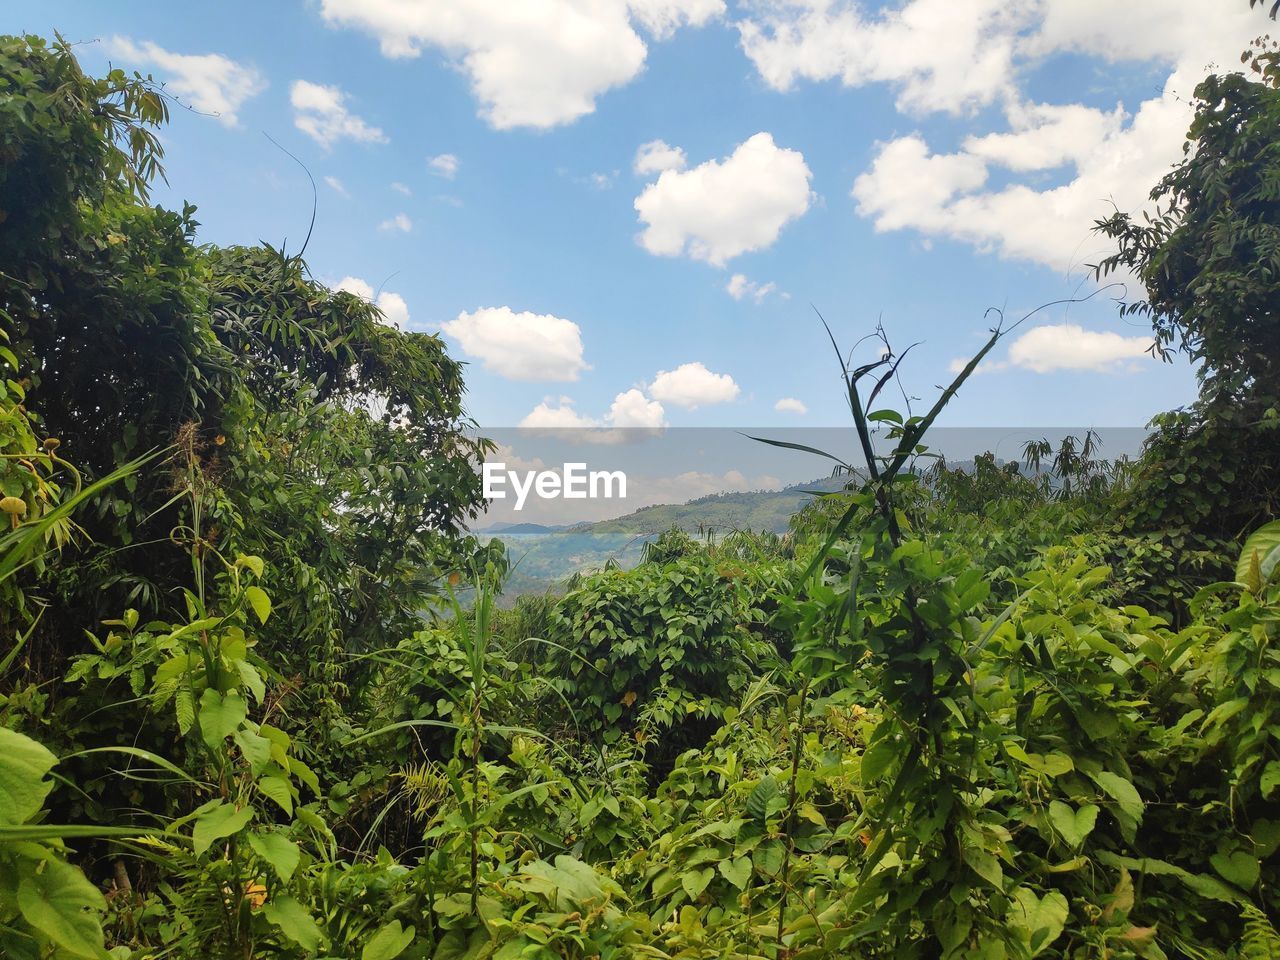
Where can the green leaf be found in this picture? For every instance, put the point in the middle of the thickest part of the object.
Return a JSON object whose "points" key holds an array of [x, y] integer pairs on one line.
{"points": [[768, 857], [295, 922], [1239, 868], [1041, 919], [62, 904], [737, 871], [278, 850], [695, 881], [1073, 825], [1270, 778], [23, 766], [985, 865], [260, 602], [250, 562], [256, 749], [220, 716], [389, 942], [1259, 558], [1123, 792], [275, 787], [218, 822], [766, 799]]}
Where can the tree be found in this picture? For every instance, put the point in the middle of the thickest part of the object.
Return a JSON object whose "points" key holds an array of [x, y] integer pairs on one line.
{"points": [[314, 434], [1209, 260]]}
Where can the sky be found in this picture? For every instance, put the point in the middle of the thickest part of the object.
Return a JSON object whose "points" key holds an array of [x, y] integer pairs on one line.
{"points": [[629, 213]]}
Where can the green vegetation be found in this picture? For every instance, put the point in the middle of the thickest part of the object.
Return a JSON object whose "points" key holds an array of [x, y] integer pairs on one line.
{"points": [[972, 714]]}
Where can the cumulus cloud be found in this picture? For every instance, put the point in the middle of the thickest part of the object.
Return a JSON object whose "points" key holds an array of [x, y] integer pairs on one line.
{"points": [[791, 405], [443, 165], [209, 82], [520, 346], [399, 222], [530, 64], [560, 416], [631, 417], [956, 56], [321, 113], [692, 385], [394, 309], [1067, 346], [950, 55], [401, 188], [740, 287], [632, 408], [722, 208], [657, 156], [336, 186]]}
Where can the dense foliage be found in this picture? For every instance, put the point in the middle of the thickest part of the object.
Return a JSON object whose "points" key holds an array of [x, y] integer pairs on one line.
{"points": [[982, 713]]}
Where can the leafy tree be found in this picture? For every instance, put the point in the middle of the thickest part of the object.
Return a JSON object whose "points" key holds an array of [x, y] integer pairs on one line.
{"points": [[1209, 259], [327, 441]]}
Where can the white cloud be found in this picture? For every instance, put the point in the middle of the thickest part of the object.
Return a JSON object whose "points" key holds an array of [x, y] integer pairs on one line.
{"points": [[949, 55], [562, 416], [632, 408], [662, 17], [336, 186], [657, 156], [520, 346], [443, 165], [536, 64], [722, 208], [791, 405], [739, 286], [399, 222], [401, 188], [692, 385], [210, 82], [632, 417], [1067, 346], [394, 309], [958, 55], [321, 113]]}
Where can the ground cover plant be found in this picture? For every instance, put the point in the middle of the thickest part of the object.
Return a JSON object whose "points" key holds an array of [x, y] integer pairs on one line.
{"points": [[259, 699]]}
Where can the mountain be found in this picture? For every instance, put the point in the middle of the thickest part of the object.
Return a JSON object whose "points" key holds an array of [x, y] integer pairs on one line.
{"points": [[544, 556]]}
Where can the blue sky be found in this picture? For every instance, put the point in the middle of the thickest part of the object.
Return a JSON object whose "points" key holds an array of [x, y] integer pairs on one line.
{"points": [[914, 168]]}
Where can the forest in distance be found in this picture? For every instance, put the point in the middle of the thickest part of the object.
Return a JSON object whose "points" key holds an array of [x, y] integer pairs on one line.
{"points": [[265, 694]]}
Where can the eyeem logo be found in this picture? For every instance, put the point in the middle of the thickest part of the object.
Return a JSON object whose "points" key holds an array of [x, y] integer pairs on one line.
{"points": [[573, 482]]}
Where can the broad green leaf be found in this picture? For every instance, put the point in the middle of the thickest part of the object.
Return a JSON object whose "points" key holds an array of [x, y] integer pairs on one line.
{"points": [[1073, 825], [985, 865], [23, 766], [768, 857], [62, 904], [766, 799], [278, 850], [256, 749], [1270, 778], [695, 881], [1259, 558], [276, 787], [260, 602], [1123, 792], [737, 871], [220, 716], [218, 822], [250, 562], [1049, 764], [389, 942], [1239, 868], [295, 922], [1040, 918]]}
